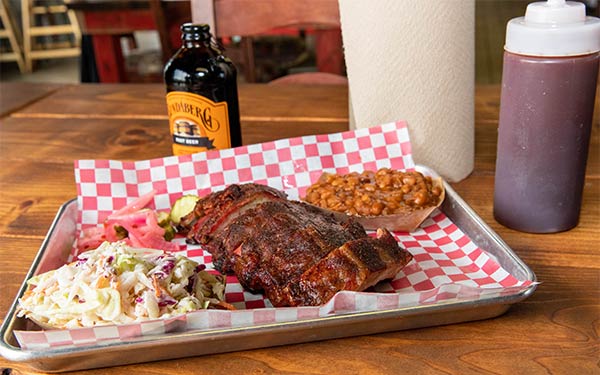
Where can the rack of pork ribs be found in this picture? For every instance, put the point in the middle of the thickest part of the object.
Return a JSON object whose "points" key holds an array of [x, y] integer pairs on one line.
{"points": [[295, 253]]}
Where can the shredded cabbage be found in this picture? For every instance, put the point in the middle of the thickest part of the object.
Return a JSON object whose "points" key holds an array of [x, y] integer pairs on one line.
{"points": [[117, 284]]}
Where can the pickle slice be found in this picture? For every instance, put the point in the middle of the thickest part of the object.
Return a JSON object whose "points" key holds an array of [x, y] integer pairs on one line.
{"points": [[164, 221], [182, 207], [163, 218]]}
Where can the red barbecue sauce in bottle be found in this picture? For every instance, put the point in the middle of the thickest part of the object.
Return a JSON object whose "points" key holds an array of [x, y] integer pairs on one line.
{"points": [[546, 107], [202, 96]]}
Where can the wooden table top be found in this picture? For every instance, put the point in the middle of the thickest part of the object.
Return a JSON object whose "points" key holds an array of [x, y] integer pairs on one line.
{"points": [[17, 95], [554, 331]]}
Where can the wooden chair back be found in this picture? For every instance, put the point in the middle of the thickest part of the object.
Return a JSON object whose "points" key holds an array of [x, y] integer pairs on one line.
{"points": [[40, 31], [247, 18]]}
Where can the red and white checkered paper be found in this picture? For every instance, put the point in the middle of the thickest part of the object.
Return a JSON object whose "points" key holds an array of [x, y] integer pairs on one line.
{"points": [[447, 265]]}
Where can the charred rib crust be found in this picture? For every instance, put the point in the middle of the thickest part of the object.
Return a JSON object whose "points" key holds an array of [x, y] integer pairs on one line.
{"points": [[355, 265], [295, 252]]}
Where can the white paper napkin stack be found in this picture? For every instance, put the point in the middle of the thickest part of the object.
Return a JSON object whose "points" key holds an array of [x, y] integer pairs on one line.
{"points": [[414, 60]]}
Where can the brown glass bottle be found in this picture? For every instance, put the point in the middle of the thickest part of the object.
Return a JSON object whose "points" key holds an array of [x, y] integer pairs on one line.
{"points": [[202, 97]]}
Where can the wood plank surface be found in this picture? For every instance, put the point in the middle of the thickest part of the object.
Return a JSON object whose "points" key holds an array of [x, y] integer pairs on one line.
{"points": [[147, 101], [554, 331], [16, 95]]}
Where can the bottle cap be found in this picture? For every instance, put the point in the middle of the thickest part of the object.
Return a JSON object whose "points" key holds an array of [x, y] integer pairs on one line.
{"points": [[195, 32], [553, 28]]}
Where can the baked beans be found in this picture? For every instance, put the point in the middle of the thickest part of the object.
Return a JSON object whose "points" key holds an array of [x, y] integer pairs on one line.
{"points": [[385, 192]]}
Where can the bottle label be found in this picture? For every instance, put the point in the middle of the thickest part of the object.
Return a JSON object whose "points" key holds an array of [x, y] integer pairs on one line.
{"points": [[197, 123]]}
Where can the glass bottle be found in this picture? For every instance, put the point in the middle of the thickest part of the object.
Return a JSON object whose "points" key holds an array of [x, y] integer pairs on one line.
{"points": [[202, 97], [549, 82]]}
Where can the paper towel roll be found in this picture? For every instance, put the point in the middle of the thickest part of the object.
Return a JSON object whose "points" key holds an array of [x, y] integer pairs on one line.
{"points": [[414, 60]]}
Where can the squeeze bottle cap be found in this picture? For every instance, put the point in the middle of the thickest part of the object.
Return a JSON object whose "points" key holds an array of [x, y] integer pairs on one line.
{"points": [[553, 28]]}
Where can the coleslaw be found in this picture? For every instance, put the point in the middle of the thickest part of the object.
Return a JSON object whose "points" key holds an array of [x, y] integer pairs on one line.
{"points": [[117, 284]]}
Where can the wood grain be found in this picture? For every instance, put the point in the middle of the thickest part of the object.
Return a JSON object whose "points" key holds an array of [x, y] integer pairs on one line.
{"points": [[17, 95], [147, 101], [555, 331]]}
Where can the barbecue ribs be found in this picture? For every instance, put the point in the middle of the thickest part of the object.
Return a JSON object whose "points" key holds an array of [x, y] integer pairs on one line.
{"points": [[294, 252]]}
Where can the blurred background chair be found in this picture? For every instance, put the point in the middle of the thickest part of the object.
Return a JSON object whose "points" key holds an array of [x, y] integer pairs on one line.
{"points": [[9, 30], [110, 31], [119, 36], [50, 31], [249, 19]]}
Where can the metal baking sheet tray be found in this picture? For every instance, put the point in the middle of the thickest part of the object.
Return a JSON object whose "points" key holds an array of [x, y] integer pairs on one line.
{"points": [[193, 343]]}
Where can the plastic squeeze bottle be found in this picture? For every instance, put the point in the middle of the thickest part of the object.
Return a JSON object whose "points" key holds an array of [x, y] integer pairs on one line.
{"points": [[549, 81]]}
